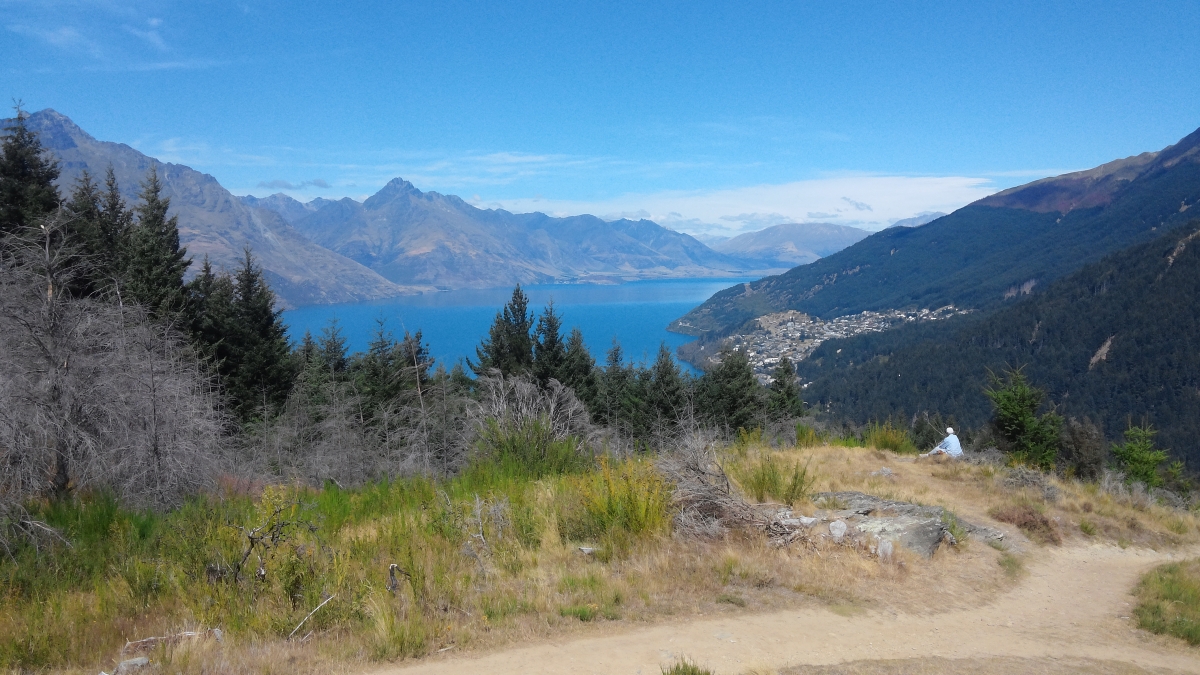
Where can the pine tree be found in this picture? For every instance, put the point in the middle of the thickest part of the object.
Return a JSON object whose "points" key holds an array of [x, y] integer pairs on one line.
{"points": [[666, 391], [784, 400], [730, 394], [378, 372], [549, 351], [27, 175], [579, 369], [213, 322], [331, 348], [156, 262], [509, 345], [83, 234], [260, 369]]}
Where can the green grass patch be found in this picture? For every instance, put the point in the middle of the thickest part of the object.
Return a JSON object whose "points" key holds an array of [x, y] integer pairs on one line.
{"points": [[685, 667], [1169, 601], [769, 477], [255, 566], [1011, 564], [887, 436], [731, 599]]}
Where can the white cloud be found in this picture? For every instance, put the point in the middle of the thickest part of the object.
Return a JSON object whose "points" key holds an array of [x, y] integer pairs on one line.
{"points": [[735, 210]]}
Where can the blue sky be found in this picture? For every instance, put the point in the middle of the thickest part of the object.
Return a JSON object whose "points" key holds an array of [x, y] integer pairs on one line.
{"points": [[716, 117]]}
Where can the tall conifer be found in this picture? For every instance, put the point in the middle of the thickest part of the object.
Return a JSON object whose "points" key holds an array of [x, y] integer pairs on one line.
{"points": [[549, 350], [509, 344], [155, 263], [27, 175]]}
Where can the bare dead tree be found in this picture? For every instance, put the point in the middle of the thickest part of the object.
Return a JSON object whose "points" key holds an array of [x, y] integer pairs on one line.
{"points": [[93, 394]]}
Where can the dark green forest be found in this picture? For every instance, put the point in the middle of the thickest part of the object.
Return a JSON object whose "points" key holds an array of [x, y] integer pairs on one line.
{"points": [[1117, 342]]}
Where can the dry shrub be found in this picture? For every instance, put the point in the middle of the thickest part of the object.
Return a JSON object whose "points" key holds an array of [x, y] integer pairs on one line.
{"points": [[706, 504], [1030, 521]]}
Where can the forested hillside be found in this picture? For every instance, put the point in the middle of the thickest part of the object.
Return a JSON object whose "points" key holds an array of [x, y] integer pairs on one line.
{"points": [[982, 255], [1116, 341]]}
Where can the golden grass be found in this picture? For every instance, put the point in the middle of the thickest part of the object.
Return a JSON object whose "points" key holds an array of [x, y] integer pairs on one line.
{"points": [[541, 585]]}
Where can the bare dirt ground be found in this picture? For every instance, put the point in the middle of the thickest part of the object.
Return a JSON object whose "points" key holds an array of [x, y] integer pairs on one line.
{"points": [[1070, 614]]}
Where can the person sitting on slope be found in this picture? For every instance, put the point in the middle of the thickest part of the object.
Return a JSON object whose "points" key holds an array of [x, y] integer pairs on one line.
{"points": [[950, 446]]}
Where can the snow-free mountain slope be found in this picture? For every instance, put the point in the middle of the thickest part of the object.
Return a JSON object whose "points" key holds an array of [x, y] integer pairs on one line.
{"points": [[791, 244], [985, 254], [415, 237], [213, 222]]}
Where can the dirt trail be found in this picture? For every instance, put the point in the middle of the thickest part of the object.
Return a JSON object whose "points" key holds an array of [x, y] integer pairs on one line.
{"points": [[1073, 604]]}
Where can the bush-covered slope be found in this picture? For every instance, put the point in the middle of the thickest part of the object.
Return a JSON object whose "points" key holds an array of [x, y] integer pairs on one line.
{"points": [[981, 255], [1117, 340]]}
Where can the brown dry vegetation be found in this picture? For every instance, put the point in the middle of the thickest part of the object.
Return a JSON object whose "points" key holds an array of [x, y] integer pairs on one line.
{"points": [[552, 589]]}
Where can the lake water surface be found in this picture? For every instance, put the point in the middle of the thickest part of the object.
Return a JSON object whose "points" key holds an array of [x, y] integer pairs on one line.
{"points": [[454, 322]]}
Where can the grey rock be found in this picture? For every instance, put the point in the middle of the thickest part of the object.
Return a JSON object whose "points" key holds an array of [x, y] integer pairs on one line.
{"points": [[885, 472], [837, 530], [886, 549], [918, 528], [132, 665]]}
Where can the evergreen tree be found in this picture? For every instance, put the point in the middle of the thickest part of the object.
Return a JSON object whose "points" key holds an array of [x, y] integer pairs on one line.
{"points": [[666, 391], [379, 372], [27, 175], [156, 262], [82, 234], [414, 361], [331, 348], [213, 316], [1023, 433], [784, 400], [549, 350], [509, 345], [307, 353], [579, 369], [730, 394], [259, 367]]}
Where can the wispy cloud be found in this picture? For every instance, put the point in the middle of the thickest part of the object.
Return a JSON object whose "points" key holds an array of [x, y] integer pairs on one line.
{"points": [[64, 38], [285, 185], [150, 36], [735, 210]]}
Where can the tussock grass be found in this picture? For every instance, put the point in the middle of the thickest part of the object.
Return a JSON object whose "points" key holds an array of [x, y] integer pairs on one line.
{"points": [[1030, 520], [491, 557], [1169, 601], [767, 476], [888, 436], [685, 667]]}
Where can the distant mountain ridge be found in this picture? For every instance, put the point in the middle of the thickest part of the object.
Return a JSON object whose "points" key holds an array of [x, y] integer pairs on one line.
{"points": [[983, 255], [427, 238], [791, 244], [213, 222]]}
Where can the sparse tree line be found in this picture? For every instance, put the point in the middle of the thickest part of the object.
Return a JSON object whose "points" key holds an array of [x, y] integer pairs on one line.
{"points": [[118, 373]]}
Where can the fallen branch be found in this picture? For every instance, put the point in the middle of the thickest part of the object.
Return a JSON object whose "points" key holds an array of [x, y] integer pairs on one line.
{"points": [[152, 642], [289, 637]]}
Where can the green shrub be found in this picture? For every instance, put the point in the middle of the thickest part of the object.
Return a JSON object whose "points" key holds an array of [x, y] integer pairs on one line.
{"points": [[1169, 601], [806, 436], [1138, 456], [615, 504], [1028, 438], [529, 450], [769, 477], [887, 436]]}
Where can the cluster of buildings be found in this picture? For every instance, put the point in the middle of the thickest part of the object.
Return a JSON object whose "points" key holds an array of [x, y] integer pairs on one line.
{"points": [[796, 335]]}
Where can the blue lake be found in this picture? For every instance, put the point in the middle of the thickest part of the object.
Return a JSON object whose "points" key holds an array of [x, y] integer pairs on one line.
{"points": [[454, 322]]}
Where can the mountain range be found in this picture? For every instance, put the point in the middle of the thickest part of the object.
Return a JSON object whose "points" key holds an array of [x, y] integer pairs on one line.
{"points": [[412, 237], [984, 255], [401, 240], [214, 223], [791, 244]]}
